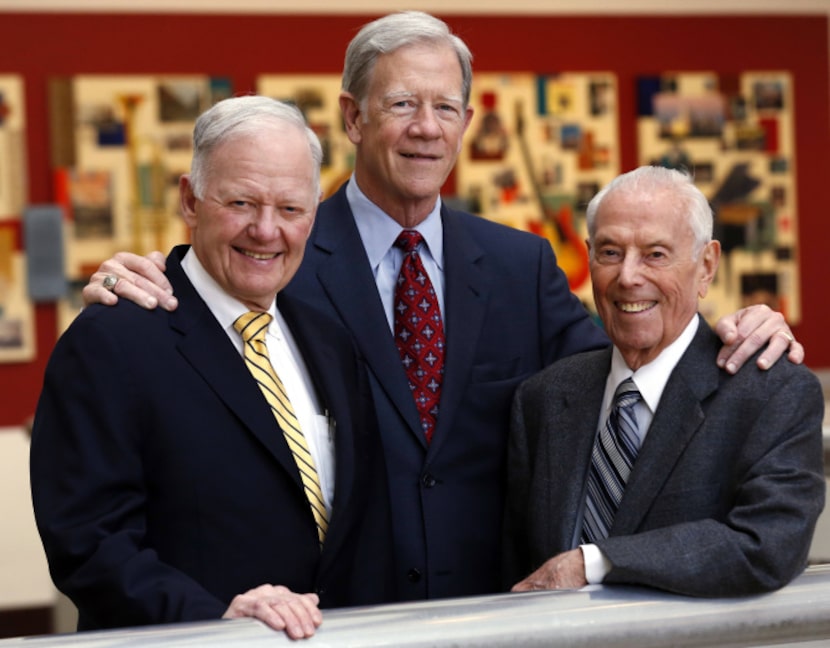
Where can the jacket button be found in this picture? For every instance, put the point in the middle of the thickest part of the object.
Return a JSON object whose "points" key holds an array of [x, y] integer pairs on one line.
{"points": [[413, 575], [428, 481]]}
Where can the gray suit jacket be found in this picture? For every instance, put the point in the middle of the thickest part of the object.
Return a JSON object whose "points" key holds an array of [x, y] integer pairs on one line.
{"points": [[724, 495]]}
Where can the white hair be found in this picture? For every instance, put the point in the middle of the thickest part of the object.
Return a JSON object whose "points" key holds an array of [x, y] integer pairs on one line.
{"points": [[389, 34], [690, 201], [242, 116]]}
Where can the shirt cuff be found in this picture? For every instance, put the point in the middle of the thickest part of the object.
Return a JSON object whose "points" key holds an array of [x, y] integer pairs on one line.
{"points": [[597, 565]]}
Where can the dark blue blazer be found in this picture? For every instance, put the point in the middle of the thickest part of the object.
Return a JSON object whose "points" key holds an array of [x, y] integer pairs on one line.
{"points": [[509, 313], [724, 495], [162, 485]]}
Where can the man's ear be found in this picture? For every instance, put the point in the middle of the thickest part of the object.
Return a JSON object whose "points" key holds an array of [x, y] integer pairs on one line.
{"points": [[708, 266], [187, 201], [352, 117], [468, 118]]}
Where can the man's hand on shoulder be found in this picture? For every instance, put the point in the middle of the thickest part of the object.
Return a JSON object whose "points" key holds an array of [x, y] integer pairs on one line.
{"points": [[280, 608], [748, 330], [139, 279]]}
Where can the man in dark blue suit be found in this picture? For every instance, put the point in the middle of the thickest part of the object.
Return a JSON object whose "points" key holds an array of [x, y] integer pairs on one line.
{"points": [[164, 487], [506, 307]]}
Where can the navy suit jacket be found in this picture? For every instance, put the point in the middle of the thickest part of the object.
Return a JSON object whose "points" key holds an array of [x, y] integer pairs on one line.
{"points": [[162, 485], [725, 492], [509, 313]]}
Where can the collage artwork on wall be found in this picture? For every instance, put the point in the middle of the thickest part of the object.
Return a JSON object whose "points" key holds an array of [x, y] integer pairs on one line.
{"points": [[116, 170], [17, 328], [736, 135], [538, 149]]}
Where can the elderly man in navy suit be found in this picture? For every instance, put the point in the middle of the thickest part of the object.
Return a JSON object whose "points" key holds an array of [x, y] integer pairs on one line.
{"points": [[645, 463], [175, 476], [505, 306]]}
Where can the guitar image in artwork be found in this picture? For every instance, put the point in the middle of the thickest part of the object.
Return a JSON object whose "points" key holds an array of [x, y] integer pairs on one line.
{"points": [[556, 224]]}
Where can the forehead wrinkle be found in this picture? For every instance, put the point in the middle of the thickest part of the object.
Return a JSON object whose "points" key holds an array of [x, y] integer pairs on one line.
{"points": [[639, 234]]}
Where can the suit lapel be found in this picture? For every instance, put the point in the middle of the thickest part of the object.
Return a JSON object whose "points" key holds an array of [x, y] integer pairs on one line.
{"points": [[678, 418], [465, 299], [344, 272], [319, 355], [206, 347], [572, 435]]}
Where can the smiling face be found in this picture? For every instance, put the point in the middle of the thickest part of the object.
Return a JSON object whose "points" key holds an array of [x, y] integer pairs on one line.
{"points": [[250, 227], [645, 275], [408, 131]]}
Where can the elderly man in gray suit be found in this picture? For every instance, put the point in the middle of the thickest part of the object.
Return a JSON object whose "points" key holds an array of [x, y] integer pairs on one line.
{"points": [[646, 464]]}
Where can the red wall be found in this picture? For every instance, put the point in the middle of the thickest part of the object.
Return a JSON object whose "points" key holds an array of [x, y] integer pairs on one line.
{"points": [[39, 46]]}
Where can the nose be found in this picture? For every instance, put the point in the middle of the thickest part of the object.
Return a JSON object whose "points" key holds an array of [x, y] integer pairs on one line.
{"points": [[266, 224], [426, 123], [630, 270]]}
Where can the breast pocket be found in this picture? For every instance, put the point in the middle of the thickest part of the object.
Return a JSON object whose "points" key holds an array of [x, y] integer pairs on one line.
{"points": [[322, 436]]}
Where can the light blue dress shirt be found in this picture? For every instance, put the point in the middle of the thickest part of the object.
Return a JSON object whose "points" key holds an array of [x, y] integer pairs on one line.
{"points": [[378, 232]]}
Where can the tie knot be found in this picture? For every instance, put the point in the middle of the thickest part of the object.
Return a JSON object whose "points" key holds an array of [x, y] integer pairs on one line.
{"points": [[408, 240], [627, 394], [252, 325]]}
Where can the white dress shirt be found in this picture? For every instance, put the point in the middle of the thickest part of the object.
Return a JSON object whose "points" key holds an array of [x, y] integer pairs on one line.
{"points": [[287, 361], [650, 380]]}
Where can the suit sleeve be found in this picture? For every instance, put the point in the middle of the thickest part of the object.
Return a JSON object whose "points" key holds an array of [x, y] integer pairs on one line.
{"points": [[373, 574], [566, 325], [516, 549], [89, 491], [763, 539]]}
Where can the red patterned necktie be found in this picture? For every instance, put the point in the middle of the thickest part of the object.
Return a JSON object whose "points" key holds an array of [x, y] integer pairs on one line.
{"points": [[419, 331]]}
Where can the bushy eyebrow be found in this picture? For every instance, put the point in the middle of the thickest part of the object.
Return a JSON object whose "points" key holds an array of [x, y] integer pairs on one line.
{"points": [[607, 240], [397, 95]]}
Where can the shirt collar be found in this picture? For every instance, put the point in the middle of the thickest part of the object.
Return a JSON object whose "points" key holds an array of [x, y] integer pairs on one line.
{"points": [[225, 308], [378, 230], [651, 378]]}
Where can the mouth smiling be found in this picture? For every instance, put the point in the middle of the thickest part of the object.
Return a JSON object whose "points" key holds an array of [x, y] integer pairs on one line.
{"points": [[635, 307], [258, 256]]}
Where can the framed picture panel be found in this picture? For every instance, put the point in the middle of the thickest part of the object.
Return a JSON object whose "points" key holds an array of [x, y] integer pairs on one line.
{"points": [[735, 135], [17, 334]]}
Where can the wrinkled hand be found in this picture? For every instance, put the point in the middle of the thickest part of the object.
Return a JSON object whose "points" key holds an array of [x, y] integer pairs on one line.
{"points": [[746, 331], [564, 571], [280, 608], [140, 279]]}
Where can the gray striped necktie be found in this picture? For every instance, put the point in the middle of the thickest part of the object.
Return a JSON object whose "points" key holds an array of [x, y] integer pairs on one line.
{"points": [[615, 450], [252, 327]]}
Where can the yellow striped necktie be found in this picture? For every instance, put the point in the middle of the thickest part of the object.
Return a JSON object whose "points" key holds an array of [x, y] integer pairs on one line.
{"points": [[252, 327]]}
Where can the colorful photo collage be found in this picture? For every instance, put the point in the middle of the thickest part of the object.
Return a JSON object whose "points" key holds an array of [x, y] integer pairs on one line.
{"points": [[17, 330], [118, 166], [735, 134], [539, 149]]}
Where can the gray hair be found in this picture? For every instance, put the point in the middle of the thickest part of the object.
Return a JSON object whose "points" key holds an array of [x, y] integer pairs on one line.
{"points": [[389, 34], [244, 116], [690, 201]]}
